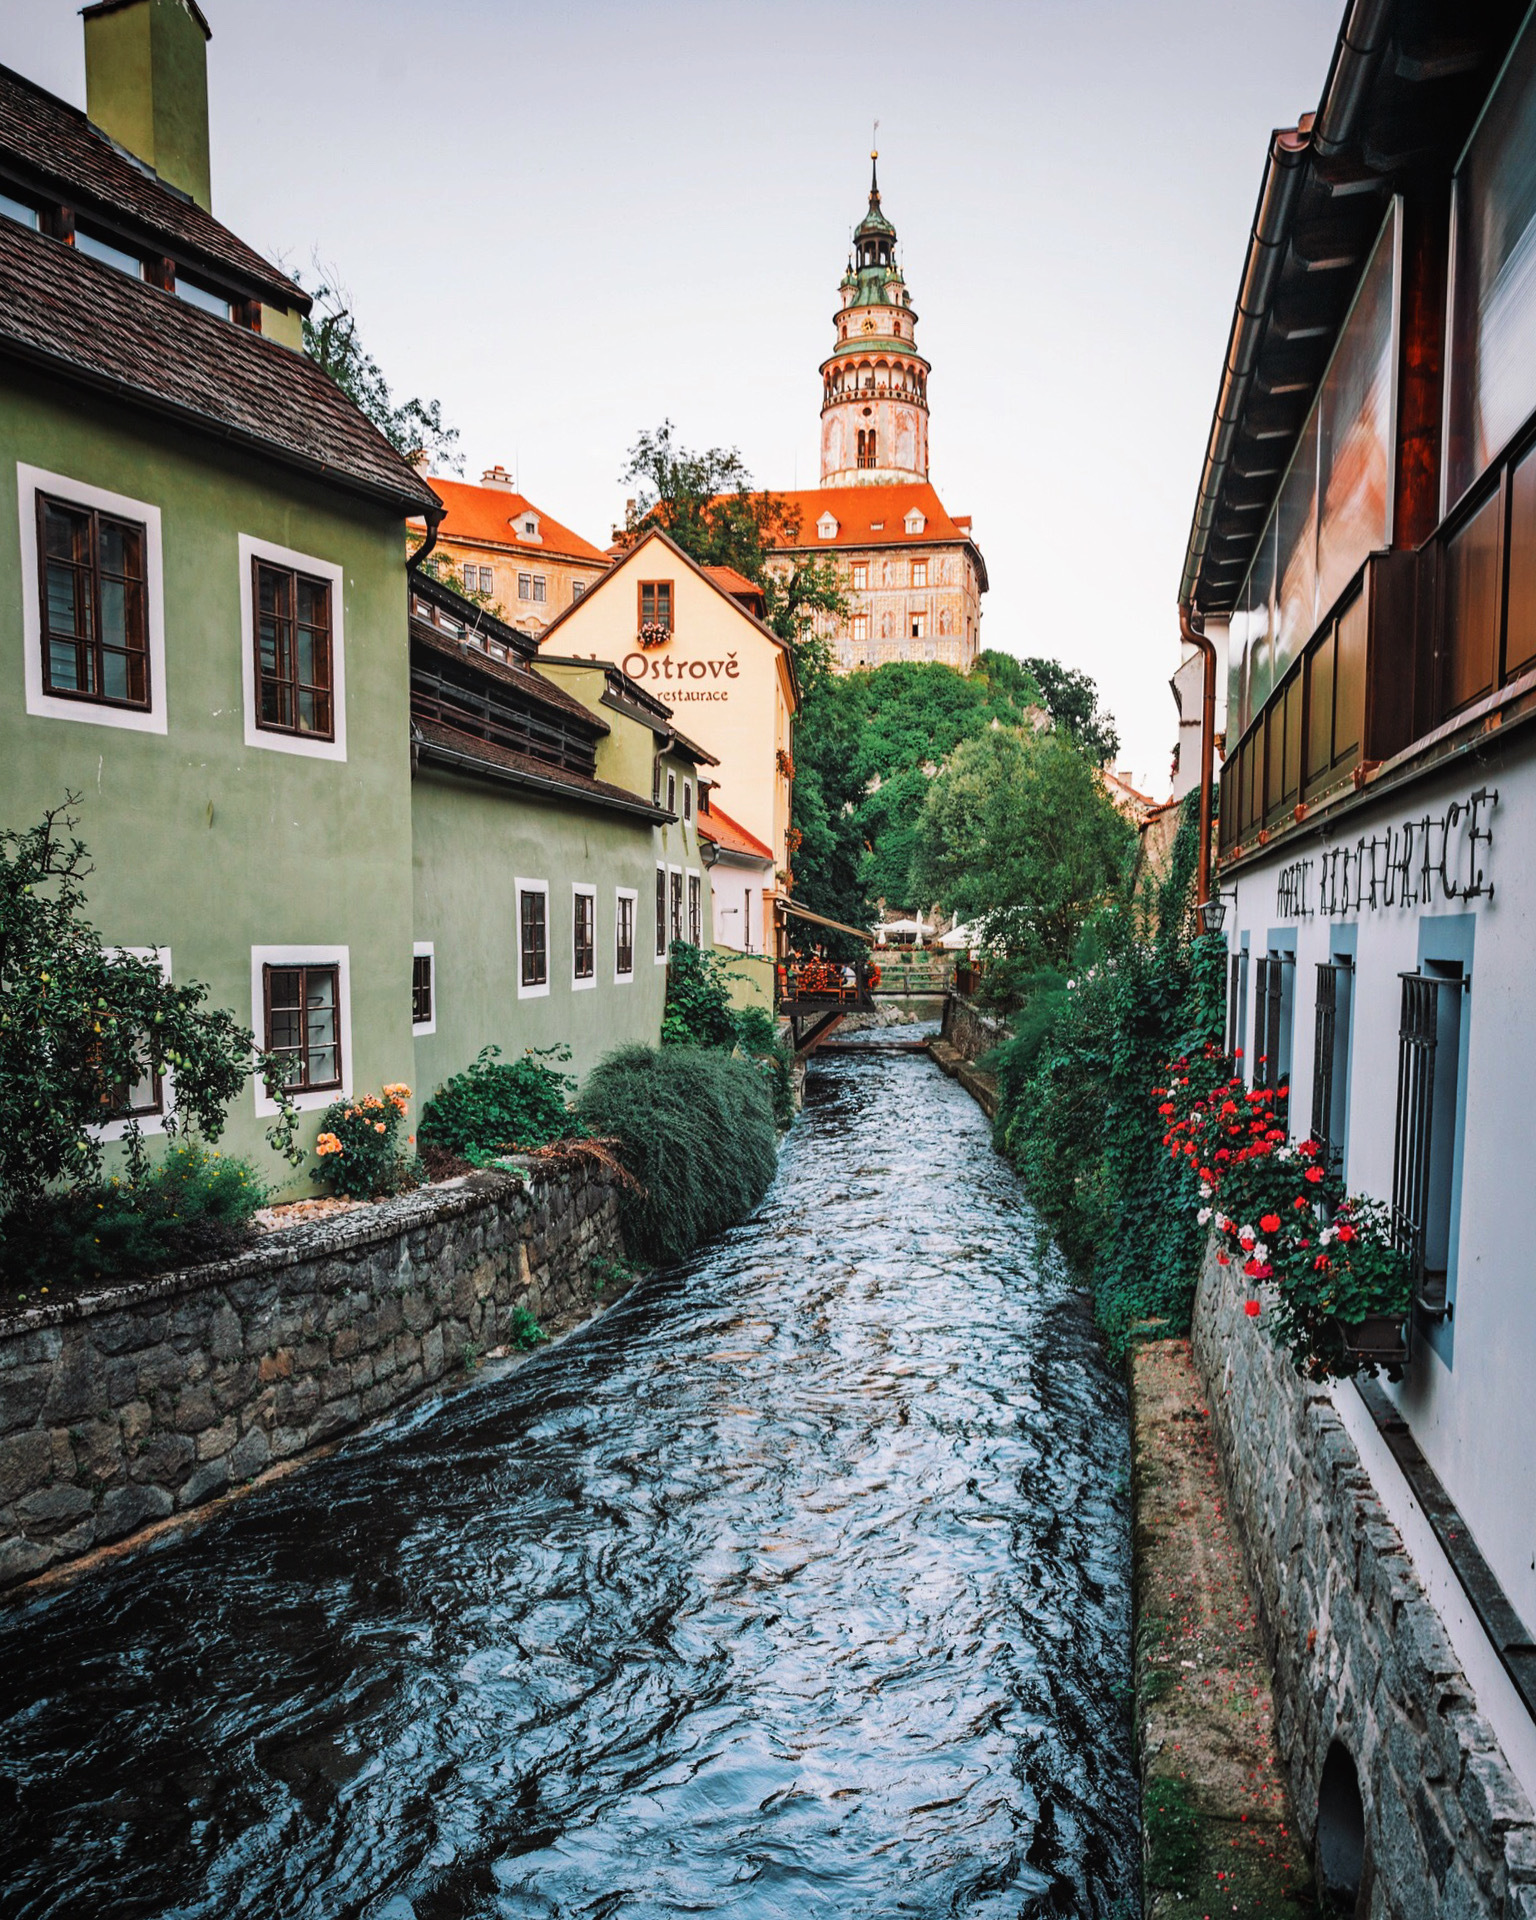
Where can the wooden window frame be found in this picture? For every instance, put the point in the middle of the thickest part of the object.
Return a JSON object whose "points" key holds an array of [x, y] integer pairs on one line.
{"points": [[532, 956], [304, 968], [290, 682], [919, 573], [695, 910], [674, 905], [92, 646], [625, 914], [657, 590], [583, 939]]}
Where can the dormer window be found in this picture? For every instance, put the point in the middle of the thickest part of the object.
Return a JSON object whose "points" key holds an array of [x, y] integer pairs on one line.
{"points": [[110, 255], [529, 526], [826, 527], [915, 522]]}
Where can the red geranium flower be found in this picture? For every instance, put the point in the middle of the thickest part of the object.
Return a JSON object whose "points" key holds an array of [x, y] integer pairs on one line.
{"points": [[1347, 1233], [1166, 1108], [1300, 1201], [1314, 1174], [1251, 1308], [1270, 1222], [1223, 1259]]}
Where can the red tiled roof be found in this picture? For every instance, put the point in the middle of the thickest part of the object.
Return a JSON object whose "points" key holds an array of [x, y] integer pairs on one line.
{"points": [[873, 516], [717, 825], [84, 321], [734, 583], [488, 513], [54, 143]]}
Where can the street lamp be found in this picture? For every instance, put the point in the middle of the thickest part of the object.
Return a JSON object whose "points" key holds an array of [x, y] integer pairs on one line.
{"points": [[1213, 912]]}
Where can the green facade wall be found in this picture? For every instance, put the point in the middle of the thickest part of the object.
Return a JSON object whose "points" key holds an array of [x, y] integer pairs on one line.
{"points": [[199, 842], [473, 841]]}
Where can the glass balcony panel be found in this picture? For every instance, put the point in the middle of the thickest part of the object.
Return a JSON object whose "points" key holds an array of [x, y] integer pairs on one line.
{"points": [[1470, 608], [1520, 621], [1349, 681], [1292, 792], [1354, 444], [1320, 711], [1296, 551]]}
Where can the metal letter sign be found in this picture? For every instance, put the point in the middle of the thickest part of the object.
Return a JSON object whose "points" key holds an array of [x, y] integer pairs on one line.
{"points": [[1380, 871]]}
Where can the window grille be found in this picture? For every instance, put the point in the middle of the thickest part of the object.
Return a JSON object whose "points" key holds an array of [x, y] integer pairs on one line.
{"points": [[624, 945], [1272, 1038], [1330, 1056], [1428, 1064]]}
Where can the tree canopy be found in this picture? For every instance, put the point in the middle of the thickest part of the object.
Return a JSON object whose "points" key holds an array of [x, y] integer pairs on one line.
{"points": [[1069, 696], [331, 339], [1018, 831]]}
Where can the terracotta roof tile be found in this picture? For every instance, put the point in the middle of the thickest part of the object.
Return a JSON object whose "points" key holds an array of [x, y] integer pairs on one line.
{"points": [[87, 321], [717, 825], [52, 143], [873, 516], [734, 583], [488, 514]]}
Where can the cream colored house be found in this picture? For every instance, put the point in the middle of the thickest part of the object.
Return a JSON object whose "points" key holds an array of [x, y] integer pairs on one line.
{"points": [[683, 635]]}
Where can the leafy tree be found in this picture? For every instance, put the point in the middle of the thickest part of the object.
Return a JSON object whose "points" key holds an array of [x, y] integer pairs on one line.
{"points": [[81, 1023], [413, 427], [1072, 700], [1019, 833]]}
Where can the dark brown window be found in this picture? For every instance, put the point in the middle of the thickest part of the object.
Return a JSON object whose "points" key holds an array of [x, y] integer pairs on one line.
{"points": [[532, 911], [584, 935], [95, 624], [293, 652], [866, 449], [1423, 1156], [695, 910], [421, 990], [1330, 1056], [624, 944], [687, 800], [661, 913], [303, 1025], [677, 906], [656, 603]]}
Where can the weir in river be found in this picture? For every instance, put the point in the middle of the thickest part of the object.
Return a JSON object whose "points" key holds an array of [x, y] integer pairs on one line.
{"points": [[796, 1584]]}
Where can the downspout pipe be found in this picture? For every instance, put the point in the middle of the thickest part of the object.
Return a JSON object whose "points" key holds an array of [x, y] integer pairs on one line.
{"points": [[434, 521], [1194, 635]]}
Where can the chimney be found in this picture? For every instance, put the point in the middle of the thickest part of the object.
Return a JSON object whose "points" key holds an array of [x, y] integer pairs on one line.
{"points": [[146, 85], [497, 477]]}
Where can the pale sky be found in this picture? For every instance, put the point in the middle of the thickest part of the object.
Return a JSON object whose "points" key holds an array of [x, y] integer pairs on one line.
{"points": [[570, 221]]}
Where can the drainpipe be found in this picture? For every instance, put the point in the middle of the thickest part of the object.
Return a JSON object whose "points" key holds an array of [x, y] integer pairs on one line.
{"points": [[1192, 634], [434, 521]]}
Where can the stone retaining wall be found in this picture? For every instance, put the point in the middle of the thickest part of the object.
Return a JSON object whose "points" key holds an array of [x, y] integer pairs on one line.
{"points": [[1359, 1653], [968, 1030], [120, 1408]]}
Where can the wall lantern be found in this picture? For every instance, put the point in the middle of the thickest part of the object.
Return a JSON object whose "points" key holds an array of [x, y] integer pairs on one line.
{"points": [[1213, 912]]}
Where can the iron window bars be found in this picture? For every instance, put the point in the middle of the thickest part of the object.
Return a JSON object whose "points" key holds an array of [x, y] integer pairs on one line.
{"points": [[95, 623], [1271, 981], [1330, 1039], [661, 913], [535, 949], [1415, 1159]]}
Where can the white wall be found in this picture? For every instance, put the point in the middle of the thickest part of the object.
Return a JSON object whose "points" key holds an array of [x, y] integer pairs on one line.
{"points": [[1470, 1397]]}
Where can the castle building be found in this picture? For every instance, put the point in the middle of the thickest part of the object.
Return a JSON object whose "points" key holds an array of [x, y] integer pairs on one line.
{"points": [[496, 542], [912, 573]]}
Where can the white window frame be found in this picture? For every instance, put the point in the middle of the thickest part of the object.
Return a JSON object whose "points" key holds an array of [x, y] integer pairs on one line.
{"points": [[520, 887], [541, 589], [306, 747], [341, 959], [695, 879], [30, 481], [679, 930], [632, 895], [579, 887], [525, 586], [666, 916], [146, 1122], [425, 950]]}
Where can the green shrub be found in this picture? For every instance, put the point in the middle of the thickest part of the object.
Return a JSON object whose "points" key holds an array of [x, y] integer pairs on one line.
{"points": [[525, 1333], [694, 1126], [759, 1039], [194, 1205], [496, 1104], [698, 1009], [361, 1153]]}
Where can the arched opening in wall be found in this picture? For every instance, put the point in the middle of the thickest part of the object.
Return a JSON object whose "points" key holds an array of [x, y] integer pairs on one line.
{"points": [[1340, 1832]]}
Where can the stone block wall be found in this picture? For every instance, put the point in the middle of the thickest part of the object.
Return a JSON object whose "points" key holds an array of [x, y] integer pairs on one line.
{"points": [[1359, 1653], [968, 1030], [120, 1408]]}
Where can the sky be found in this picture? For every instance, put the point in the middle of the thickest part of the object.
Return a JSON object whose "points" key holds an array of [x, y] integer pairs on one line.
{"points": [[570, 222]]}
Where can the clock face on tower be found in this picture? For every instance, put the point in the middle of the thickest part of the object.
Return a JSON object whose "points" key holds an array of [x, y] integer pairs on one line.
{"points": [[869, 326]]}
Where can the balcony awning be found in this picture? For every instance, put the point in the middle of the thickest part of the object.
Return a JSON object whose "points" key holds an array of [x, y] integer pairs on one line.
{"points": [[783, 905]]}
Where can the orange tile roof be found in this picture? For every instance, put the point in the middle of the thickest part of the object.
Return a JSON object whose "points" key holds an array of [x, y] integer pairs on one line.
{"points": [[717, 825], [734, 582], [872, 516], [488, 513]]}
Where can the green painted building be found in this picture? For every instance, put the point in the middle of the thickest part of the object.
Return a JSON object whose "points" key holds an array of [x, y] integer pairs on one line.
{"points": [[208, 635]]}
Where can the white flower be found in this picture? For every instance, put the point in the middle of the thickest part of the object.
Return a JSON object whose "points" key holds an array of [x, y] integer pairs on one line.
{"points": [[1247, 1235], [1204, 1215], [1260, 1251], [1285, 1153], [1327, 1236], [1196, 1117], [1205, 1190], [1223, 1224]]}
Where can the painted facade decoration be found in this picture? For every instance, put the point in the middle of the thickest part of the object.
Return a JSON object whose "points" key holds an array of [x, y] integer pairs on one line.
{"points": [[912, 574]]}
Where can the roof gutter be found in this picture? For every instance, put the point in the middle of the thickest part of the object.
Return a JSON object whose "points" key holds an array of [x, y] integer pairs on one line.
{"points": [[1288, 150], [434, 521]]}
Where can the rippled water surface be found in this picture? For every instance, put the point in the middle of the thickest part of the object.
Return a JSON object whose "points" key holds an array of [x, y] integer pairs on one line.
{"points": [[795, 1585]]}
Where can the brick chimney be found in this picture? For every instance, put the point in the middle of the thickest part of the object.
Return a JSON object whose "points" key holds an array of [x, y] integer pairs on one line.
{"points": [[146, 85]]}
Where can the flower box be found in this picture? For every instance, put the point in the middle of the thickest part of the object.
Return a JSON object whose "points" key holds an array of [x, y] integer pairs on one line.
{"points": [[1380, 1338]]}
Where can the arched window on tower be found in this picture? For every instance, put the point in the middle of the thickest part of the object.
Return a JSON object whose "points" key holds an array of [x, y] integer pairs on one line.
{"points": [[866, 447]]}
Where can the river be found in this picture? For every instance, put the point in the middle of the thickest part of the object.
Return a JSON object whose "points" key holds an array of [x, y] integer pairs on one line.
{"points": [[796, 1584]]}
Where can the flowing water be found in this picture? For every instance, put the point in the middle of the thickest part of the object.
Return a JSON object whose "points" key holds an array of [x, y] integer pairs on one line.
{"points": [[797, 1584]]}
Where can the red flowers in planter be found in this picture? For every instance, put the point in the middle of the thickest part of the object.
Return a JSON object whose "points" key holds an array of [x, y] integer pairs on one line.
{"points": [[1314, 1174]]}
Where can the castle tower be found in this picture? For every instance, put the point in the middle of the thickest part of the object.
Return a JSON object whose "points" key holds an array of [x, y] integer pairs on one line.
{"points": [[874, 409]]}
